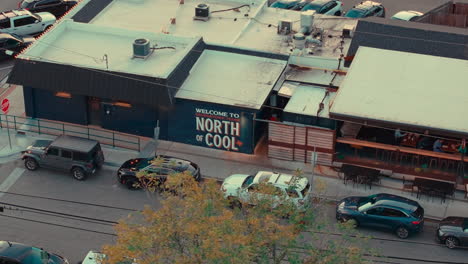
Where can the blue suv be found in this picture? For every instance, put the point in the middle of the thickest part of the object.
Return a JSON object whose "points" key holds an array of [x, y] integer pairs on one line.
{"points": [[384, 211]]}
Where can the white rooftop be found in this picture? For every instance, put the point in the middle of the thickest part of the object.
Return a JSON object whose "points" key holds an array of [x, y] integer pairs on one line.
{"points": [[253, 26], [231, 79], [85, 45], [405, 88], [306, 99], [155, 16]]}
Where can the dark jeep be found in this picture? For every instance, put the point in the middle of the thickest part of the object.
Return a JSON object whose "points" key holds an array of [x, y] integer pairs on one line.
{"points": [[78, 155]]}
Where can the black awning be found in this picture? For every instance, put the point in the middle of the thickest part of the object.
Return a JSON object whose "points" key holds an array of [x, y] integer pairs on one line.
{"points": [[91, 82]]}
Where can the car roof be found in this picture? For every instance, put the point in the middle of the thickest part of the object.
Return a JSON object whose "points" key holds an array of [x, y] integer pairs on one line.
{"points": [[13, 250], [406, 15], [74, 143], [281, 179], [13, 13], [367, 4], [454, 221], [385, 199], [320, 2]]}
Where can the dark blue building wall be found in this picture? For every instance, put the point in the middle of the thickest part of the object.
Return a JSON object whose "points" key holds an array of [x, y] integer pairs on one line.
{"points": [[44, 104], [193, 122], [28, 96], [309, 120], [137, 119]]}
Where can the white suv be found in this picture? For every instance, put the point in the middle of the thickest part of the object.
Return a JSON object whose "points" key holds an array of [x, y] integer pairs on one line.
{"points": [[22, 22], [242, 187]]}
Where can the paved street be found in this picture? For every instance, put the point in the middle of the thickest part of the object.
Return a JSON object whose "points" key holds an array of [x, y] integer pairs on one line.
{"points": [[58, 233]]}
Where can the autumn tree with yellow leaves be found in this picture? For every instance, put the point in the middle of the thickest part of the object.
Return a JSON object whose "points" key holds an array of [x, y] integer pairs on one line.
{"points": [[195, 224]]}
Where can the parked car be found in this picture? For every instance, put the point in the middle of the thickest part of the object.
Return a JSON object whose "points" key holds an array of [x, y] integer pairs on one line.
{"points": [[13, 43], [453, 231], [326, 7], [126, 174], [17, 253], [22, 22], [81, 156], [243, 187], [385, 211], [407, 15], [285, 4], [57, 7], [95, 257], [366, 9]]}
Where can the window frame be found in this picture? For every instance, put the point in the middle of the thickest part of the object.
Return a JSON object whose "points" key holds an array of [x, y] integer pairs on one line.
{"points": [[24, 18], [55, 149]]}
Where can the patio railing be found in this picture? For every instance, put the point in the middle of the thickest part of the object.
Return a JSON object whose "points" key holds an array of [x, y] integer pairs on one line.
{"points": [[105, 137]]}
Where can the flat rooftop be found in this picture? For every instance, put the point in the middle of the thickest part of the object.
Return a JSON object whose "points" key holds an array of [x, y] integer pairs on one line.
{"points": [[231, 79], [306, 99], [405, 88], [155, 16], [86, 45], [253, 26]]}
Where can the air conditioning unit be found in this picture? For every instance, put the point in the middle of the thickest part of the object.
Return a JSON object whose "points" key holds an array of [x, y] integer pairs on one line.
{"points": [[141, 48], [284, 27], [202, 12], [348, 31]]}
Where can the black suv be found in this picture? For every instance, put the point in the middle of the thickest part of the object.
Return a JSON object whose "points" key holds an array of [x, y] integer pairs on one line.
{"points": [[80, 156], [56, 7], [366, 9], [16, 253], [127, 172]]}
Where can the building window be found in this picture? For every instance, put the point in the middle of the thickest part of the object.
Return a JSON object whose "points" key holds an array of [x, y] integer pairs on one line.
{"points": [[122, 104], [63, 95]]}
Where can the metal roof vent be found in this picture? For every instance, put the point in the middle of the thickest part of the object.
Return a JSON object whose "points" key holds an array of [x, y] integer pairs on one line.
{"points": [[202, 12], [141, 48]]}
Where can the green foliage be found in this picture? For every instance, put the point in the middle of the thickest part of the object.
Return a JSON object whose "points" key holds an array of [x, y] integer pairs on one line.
{"points": [[196, 225]]}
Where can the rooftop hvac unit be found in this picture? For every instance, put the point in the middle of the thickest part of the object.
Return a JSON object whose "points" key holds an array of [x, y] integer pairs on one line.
{"points": [[307, 21], [284, 27], [348, 31], [299, 41], [141, 48], [202, 12]]}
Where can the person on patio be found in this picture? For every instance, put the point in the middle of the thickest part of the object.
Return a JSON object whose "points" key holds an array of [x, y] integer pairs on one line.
{"points": [[398, 136], [461, 148], [437, 147]]}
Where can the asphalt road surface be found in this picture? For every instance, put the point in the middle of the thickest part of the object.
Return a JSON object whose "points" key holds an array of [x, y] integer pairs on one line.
{"points": [[78, 216]]}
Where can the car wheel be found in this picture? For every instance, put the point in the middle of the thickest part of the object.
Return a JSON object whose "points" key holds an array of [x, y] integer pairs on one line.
{"points": [[234, 202], [79, 174], [451, 242], [130, 183], [402, 232], [338, 13], [352, 221], [31, 164]]}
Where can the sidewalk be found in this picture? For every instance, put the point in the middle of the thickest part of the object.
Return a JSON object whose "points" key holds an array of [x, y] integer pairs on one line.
{"points": [[220, 164]]}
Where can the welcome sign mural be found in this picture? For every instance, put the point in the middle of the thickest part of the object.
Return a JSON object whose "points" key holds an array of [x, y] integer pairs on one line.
{"points": [[219, 128]]}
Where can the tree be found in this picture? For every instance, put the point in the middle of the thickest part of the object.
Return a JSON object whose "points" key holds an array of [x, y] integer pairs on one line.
{"points": [[196, 225]]}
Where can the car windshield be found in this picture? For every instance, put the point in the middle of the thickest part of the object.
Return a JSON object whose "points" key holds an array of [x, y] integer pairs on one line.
{"points": [[34, 257], [36, 16], [280, 5], [355, 13], [419, 213], [366, 202], [305, 190], [312, 6], [247, 181]]}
